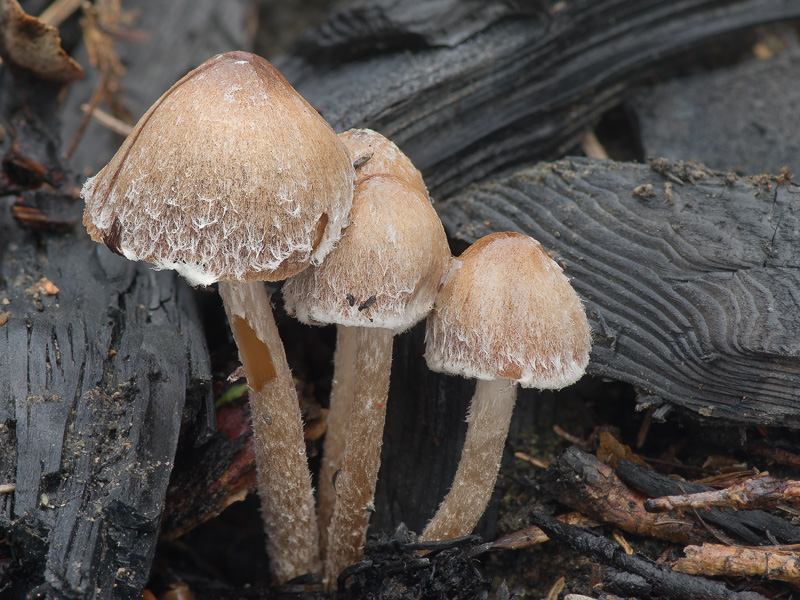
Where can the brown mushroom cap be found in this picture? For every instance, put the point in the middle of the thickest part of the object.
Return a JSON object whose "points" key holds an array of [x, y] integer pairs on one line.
{"points": [[386, 269], [506, 310], [384, 157], [230, 175]]}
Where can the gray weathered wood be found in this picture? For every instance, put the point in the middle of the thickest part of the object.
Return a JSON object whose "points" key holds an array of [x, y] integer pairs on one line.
{"points": [[742, 118], [96, 381], [513, 91], [93, 433], [691, 278]]}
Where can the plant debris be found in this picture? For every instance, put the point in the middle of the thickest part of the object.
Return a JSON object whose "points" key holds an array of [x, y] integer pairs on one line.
{"points": [[394, 569]]}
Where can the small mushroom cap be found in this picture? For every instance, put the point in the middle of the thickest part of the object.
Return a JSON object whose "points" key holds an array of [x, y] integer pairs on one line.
{"points": [[375, 154], [230, 175], [506, 310], [386, 269]]}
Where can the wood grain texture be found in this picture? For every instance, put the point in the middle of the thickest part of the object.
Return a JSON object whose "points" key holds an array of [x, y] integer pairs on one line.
{"points": [[359, 28], [512, 91], [97, 381], [690, 278], [93, 383], [469, 107]]}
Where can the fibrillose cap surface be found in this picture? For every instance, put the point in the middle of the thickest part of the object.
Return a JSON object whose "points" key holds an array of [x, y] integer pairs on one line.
{"points": [[385, 158], [506, 310], [230, 175], [387, 268]]}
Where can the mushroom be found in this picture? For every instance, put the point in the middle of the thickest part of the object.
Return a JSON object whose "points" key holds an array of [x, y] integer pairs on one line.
{"points": [[506, 315], [375, 154], [372, 153], [232, 177], [381, 279]]}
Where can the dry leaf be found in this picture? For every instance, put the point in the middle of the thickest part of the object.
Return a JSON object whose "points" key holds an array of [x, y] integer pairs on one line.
{"points": [[30, 46]]}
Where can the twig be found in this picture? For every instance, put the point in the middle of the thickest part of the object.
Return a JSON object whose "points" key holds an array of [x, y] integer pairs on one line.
{"points": [[569, 437], [753, 526], [100, 26], [658, 579], [592, 147], [583, 483], [557, 588], [762, 491], [97, 95], [531, 536], [59, 11], [536, 462], [771, 562], [778, 455], [108, 121]]}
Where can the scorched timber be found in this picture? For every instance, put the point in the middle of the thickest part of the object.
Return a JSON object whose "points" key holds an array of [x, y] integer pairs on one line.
{"points": [[690, 277], [475, 89]]}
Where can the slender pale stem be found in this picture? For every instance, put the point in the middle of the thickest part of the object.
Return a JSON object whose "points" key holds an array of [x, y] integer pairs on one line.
{"points": [[344, 366], [489, 418], [284, 481], [355, 485]]}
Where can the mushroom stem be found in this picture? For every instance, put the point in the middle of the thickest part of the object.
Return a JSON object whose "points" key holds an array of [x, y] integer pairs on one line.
{"points": [[333, 450], [488, 420], [284, 481], [355, 485]]}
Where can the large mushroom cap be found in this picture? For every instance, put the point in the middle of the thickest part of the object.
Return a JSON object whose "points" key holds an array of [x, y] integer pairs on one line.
{"points": [[375, 154], [230, 175], [386, 269], [506, 310]]}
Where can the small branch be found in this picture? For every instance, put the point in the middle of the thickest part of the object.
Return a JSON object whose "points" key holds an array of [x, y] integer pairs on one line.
{"points": [[770, 562], [762, 491], [657, 580], [108, 121], [776, 455], [536, 462], [583, 483], [592, 147], [59, 11], [531, 536], [100, 29], [752, 526]]}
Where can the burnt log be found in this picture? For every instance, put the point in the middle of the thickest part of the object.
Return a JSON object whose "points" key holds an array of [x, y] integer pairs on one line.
{"points": [[471, 93], [94, 381], [103, 362], [690, 277], [478, 89], [733, 119]]}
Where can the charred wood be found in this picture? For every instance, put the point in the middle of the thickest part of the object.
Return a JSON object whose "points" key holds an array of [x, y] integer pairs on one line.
{"points": [[583, 483], [689, 276], [643, 577], [755, 527], [476, 89]]}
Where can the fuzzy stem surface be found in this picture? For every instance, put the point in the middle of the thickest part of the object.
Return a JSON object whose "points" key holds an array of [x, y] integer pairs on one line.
{"points": [[488, 420], [284, 481], [344, 366], [355, 485]]}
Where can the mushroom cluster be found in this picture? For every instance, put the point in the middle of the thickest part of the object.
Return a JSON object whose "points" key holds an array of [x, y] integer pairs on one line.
{"points": [[232, 178]]}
